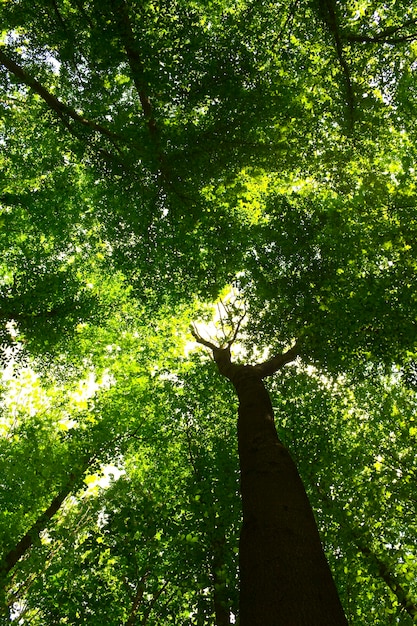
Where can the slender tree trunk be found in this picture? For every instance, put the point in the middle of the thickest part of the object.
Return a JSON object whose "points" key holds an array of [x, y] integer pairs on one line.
{"points": [[13, 556], [22, 546], [137, 600], [378, 564], [9, 559]]}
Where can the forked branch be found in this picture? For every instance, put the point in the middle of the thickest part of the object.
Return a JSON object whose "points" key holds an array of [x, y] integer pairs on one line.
{"points": [[222, 352], [221, 355], [227, 343], [201, 340]]}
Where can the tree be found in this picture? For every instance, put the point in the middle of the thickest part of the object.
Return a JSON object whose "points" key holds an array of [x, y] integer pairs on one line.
{"points": [[152, 154], [284, 575]]}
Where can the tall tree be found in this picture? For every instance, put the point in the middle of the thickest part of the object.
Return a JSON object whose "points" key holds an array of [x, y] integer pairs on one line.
{"points": [[284, 575]]}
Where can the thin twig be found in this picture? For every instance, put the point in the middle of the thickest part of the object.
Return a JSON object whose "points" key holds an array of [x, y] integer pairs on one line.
{"points": [[238, 325]]}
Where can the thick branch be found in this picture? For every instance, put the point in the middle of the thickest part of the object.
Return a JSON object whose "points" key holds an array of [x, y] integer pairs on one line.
{"points": [[63, 111], [277, 362], [221, 356], [386, 36], [202, 341], [267, 368], [379, 40]]}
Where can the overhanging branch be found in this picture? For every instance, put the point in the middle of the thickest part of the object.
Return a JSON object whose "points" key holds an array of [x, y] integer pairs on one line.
{"points": [[388, 35], [63, 112]]}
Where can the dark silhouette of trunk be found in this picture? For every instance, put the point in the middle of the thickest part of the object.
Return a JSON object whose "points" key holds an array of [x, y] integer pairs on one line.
{"points": [[285, 579], [11, 558]]}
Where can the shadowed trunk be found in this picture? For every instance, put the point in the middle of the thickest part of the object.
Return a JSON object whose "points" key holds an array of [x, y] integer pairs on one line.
{"points": [[285, 579], [284, 575]]}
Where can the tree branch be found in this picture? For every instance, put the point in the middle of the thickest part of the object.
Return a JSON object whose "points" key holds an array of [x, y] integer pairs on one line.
{"points": [[137, 600], [201, 340], [135, 63], [64, 112], [237, 328], [385, 36], [329, 15], [223, 359], [390, 578], [379, 40], [221, 356], [154, 600], [11, 558], [267, 368]]}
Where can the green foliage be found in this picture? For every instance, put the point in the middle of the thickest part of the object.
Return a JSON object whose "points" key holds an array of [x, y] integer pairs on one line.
{"points": [[152, 153], [333, 270]]}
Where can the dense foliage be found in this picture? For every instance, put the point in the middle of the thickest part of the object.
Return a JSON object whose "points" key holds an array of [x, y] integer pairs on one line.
{"points": [[154, 154]]}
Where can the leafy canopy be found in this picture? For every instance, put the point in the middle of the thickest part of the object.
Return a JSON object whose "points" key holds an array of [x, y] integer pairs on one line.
{"points": [[152, 153]]}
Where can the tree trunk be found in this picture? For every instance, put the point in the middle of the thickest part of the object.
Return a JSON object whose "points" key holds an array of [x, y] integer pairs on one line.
{"points": [[285, 579], [404, 597], [220, 592], [11, 558], [22, 546], [284, 575]]}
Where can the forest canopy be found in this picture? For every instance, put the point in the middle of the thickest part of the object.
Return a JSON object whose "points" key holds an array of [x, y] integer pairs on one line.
{"points": [[218, 163]]}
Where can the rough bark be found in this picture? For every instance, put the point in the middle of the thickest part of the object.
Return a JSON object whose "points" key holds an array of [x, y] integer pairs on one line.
{"points": [[285, 579]]}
